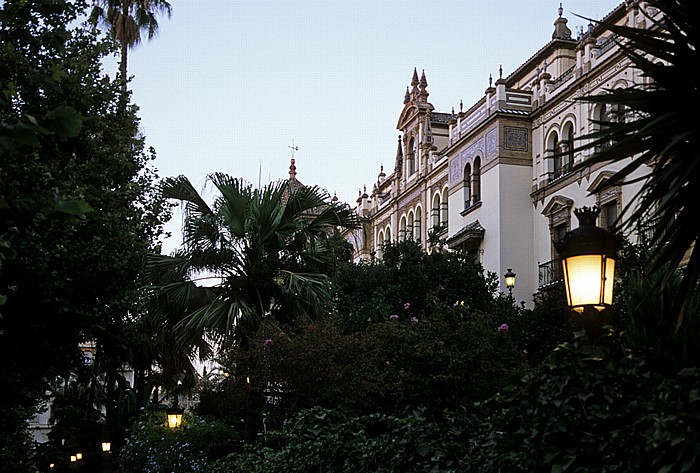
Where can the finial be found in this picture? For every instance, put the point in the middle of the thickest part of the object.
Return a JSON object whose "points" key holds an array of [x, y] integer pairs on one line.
{"points": [[335, 197], [461, 105], [544, 66], [292, 170], [407, 97], [490, 81], [537, 71], [561, 10], [500, 71], [414, 81]]}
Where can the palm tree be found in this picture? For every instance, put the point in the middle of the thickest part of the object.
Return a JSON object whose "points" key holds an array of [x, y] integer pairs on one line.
{"points": [[126, 19], [254, 256], [660, 134]]}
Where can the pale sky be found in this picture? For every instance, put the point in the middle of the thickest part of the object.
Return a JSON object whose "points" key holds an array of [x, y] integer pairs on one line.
{"points": [[231, 85]]}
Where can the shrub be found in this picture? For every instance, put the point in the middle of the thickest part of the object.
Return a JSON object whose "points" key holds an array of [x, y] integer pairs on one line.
{"points": [[320, 440], [593, 408], [151, 447]]}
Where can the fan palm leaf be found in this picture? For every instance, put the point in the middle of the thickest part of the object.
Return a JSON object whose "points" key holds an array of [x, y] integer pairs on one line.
{"points": [[263, 251], [659, 139]]}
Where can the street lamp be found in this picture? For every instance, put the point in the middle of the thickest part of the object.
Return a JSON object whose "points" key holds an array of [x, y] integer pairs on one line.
{"points": [[510, 281], [588, 262], [106, 446], [174, 414]]}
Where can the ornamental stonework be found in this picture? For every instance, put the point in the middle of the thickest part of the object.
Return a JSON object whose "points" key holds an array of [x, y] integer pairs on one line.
{"points": [[515, 138]]}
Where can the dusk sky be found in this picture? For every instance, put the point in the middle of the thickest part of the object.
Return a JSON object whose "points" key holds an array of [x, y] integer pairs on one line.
{"points": [[231, 85]]}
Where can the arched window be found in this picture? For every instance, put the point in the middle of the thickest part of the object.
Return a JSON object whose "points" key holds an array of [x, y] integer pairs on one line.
{"points": [[388, 235], [411, 157], [564, 159], [435, 211], [410, 222], [467, 186], [380, 244], [476, 181], [443, 209], [402, 229], [551, 150], [417, 227]]}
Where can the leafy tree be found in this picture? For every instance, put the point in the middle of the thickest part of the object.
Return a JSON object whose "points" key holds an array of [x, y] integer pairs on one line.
{"points": [[78, 209], [126, 20], [659, 134]]}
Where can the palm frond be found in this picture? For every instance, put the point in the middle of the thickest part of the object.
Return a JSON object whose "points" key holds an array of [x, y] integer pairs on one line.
{"points": [[662, 136]]}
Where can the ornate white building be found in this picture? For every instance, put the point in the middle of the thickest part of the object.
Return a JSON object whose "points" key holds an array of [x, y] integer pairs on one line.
{"points": [[496, 179]]}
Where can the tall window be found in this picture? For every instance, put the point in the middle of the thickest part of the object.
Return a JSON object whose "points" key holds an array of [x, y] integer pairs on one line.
{"points": [[608, 215], [435, 211], [443, 209], [476, 181], [417, 227], [564, 158], [402, 229], [411, 158], [410, 222], [467, 186]]}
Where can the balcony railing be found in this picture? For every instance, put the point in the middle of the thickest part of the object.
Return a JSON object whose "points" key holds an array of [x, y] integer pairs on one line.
{"points": [[559, 173], [550, 274]]}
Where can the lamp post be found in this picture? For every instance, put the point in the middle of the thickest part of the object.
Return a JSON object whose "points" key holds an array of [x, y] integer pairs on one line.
{"points": [[510, 281], [588, 262]]}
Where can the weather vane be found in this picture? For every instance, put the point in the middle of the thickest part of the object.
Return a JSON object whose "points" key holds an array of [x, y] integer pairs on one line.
{"points": [[293, 148]]}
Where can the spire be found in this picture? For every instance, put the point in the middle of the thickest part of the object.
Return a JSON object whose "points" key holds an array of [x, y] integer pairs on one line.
{"points": [[423, 87], [428, 135], [414, 84], [399, 159], [407, 97]]}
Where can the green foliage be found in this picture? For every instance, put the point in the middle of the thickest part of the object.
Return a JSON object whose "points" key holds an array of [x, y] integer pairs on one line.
{"points": [[645, 314], [321, 440], [447, 360], [368, 292], [593, 408], [152, 447], [537, 331], [78, 211]]}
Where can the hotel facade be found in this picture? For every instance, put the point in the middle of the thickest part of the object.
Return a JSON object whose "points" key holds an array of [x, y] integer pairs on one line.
{"points": [[497, 179]]}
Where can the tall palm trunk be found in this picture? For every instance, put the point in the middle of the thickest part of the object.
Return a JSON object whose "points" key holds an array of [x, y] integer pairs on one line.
{"points": [[122, 64]]}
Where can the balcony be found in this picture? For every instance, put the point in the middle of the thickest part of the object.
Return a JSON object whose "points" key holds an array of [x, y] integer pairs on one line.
{"points": [[550, 274], [559, 173]]}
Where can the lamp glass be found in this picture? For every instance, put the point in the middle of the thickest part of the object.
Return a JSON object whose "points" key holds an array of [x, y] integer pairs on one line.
{"points": [[73, 458], [174, 420], [589, 280], [79, 456], [510, 281], [106, 446]]}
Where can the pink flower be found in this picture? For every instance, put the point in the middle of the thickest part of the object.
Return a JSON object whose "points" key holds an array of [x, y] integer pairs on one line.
{"points": [[503, 328], [393, 317], [267, 342], [414, 320], [407, 305]]}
